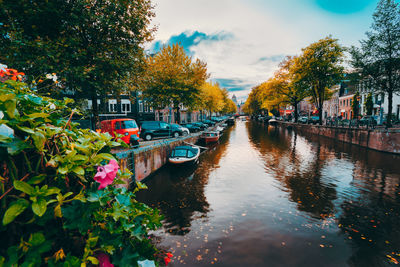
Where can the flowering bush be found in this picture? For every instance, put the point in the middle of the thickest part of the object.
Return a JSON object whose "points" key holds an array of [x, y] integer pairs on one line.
{"points": [[59, 205]]}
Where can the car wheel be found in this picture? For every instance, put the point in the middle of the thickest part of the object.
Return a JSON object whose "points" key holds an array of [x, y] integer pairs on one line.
{"points": [[176, 134], [185, 133], [148, 137]]}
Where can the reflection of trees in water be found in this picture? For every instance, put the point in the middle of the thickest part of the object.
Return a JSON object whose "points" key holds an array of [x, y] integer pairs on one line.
{"points": [[302, 178], [179, 191], [372, 222], [370, 213]]}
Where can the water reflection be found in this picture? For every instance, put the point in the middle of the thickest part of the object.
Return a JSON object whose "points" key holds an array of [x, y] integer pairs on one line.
{"points": [[179, 191], [302, 178], [269, 196], [368, 208]]}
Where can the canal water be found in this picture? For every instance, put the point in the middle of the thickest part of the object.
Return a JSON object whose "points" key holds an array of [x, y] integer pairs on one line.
{"points": [[267, 196]]}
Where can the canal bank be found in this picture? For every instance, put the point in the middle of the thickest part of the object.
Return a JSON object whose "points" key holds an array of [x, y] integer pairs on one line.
{"points": [[146, 160], [385, 140]]}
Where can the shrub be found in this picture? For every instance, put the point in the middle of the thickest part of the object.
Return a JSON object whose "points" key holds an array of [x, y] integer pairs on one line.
{"points": [[53, 212]]}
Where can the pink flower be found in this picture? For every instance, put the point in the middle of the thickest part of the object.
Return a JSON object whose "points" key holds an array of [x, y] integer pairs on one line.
{"points": [[104, 260], [105, 174]]}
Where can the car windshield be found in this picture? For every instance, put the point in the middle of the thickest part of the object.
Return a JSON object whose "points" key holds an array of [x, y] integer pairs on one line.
{"points": [[128, 124]]}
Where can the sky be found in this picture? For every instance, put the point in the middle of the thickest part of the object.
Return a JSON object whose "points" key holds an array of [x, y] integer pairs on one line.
{"points": [[243, 41]]}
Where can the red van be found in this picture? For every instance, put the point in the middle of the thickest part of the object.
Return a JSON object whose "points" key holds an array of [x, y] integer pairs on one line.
{"points": [[126, 127]]}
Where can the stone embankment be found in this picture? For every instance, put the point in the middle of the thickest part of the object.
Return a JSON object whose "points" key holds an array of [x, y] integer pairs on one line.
{"points": [[386, 140], [150, 156]]}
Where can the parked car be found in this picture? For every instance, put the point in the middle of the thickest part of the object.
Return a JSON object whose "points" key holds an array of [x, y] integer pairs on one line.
{"points": [[125, 127], [303, 120], [202, 126], [193, 128], [230, 121], [208, 122], [314, 120], [152, 129], [185, 130]]}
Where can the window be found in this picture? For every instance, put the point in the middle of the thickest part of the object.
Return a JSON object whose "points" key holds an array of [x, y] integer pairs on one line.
{"points": [[140, 102], [128, 124], [89, 103], [125, 105], [146, 107], [112, 105], [164, 125], [117, 125]]}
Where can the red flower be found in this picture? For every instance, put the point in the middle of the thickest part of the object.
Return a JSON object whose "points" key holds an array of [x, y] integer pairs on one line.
{"points": [[104, 260], [169, 255], [105, 174], [167, 260]]}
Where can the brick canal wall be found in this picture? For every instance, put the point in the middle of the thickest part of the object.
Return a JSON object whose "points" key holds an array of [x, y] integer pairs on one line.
{"points": [[146, 160], [386, 140]]}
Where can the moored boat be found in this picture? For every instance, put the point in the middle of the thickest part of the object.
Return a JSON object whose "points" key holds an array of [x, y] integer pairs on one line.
{"points": [[210, 136], [184, 155], [273, 122]]}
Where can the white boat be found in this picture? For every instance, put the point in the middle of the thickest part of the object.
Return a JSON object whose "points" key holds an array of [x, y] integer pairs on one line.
{"points": [[273, 122], [184, 155]]}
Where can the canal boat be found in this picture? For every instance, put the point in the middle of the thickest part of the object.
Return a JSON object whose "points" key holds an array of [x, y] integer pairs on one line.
{"points": [[273, 122], [184, 155], [210, 137]]}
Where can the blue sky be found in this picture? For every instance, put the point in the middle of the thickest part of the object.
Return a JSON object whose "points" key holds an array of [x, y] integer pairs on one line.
{"points": [[243, 41]]}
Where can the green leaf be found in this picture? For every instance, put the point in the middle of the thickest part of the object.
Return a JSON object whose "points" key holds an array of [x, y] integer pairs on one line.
{"points": [[105, 156], [93, 260], [38, 115], [24, 187], [92, 241], [37, 179], [78, 170], [39, 207], [6, 97], [16, 146], [36, 239], [11, 108], [63, 169], [80, 158], [52, 191], [15, 209], [26, 129], [39, 139]]}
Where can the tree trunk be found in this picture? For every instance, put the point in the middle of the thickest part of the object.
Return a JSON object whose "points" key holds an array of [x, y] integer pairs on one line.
{"points": [[178, 115], [296, 116], [390, 108], [95, 111]]}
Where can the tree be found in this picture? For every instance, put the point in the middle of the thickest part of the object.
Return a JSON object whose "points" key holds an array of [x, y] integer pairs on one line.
{"points": [[213, 98], [379, 56], [289, 89], [254, 103], [173, 78], [369, 104], [319, 67], [355, 105], [94, 47]]}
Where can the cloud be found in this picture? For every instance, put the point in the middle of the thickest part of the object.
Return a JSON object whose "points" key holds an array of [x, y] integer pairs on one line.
{"points": [[243, 41], [188, 39]]}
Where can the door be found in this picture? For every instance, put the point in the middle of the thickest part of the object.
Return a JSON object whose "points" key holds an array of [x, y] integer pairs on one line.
{"points": [[165, 129]]}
